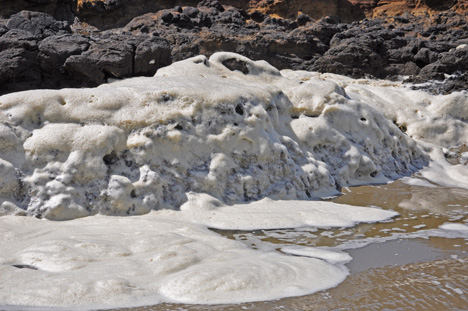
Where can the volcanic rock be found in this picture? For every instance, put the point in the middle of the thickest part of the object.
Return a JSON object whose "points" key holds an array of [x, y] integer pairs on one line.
{"points": [[37, 51], [86, 42]]}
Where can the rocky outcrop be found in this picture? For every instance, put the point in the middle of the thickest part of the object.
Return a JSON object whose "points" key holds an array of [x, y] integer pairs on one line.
{"points": [[59, 9], [106, 14], [383, 48], [80, 43], [37, 51]]}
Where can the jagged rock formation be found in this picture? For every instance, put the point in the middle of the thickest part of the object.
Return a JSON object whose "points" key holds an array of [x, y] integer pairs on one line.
{"points": [[78, 43], [37, 51]]}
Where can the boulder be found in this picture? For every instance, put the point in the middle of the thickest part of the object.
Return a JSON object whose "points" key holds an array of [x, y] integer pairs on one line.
{"points": [[38, 24]]}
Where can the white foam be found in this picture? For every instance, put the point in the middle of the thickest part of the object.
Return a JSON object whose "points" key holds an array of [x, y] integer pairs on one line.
{"points": [[140, 144], [435, 121], [272, 214], [454, 226], [117, 261], [414, 181], [333, 257], [444, 173]]}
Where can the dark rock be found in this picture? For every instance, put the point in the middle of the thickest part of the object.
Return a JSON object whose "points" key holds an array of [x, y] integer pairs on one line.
{"points": [[38, 24], [119, 56], [234, 64], [37, 50], [54, 52], [325, 32], [39, 1], [257, 16], [401, 55], [3, 30], [212, 4], [407, 69], [431, 72], [203, 20], [231, 16], [19, 70], [303, 19], [167, 17], [17, 38], [425, 56], [331, 20], [354, 57], [397, 42], [59, 9], [191, 12], [111, 58], [18, 56], [150, 55]]}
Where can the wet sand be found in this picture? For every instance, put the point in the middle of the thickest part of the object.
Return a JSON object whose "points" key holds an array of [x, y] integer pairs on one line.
{"points": [[397, 274]]}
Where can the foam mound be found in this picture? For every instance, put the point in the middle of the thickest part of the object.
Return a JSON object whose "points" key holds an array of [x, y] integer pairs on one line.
{"points": [[236, 129]]}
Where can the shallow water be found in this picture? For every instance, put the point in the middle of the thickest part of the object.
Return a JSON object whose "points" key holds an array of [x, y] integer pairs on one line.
{"points": [[399, 268]]}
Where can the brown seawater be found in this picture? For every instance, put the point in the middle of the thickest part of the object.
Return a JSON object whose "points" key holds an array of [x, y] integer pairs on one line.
{"points": [[399, 268]]}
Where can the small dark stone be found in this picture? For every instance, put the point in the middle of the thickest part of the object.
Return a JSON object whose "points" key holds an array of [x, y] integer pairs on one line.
{"points": [[167, 17], [191, 12], [144, 29], [22, 266], [234, 64], [239, 109], [110, 159], [150, 55], [303, 19], [257, 16]]}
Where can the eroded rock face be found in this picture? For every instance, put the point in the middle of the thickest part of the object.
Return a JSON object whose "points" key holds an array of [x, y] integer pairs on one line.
{"points": [[346, 10], [37, 51], [59, 9], [422, 40]]}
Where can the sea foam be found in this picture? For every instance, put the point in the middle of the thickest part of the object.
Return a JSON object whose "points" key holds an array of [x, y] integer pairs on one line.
{"points": [[205, 143], [199, 125]]}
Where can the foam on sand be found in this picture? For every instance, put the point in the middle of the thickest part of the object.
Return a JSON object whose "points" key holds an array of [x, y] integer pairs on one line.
{"points": [[454, 226], [101, 260], [333, 257], [271, 214]]}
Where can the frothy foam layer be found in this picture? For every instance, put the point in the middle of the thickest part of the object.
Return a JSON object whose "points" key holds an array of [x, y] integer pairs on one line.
{"points": [[235, 129], [270, 214], [98, 261]]}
